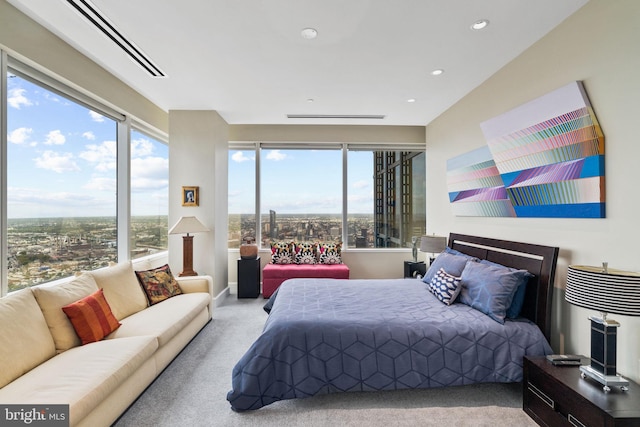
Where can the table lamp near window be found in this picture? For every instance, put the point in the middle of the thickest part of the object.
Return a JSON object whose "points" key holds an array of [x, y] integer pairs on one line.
{"points": [[608, 291], [433, 244], [188, 224]]}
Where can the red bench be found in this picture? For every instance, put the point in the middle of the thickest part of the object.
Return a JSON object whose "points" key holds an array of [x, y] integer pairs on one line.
{"points": [[274, 274]]}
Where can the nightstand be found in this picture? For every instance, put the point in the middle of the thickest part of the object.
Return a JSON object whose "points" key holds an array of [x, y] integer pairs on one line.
{"points": [[249, 278], [558, 396], [412, 268]]}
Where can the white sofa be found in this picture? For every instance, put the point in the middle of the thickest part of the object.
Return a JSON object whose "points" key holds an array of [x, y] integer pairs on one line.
{"points": [[44, 361]]}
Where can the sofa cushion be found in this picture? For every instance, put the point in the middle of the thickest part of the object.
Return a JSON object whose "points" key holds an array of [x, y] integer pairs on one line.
{"points": [[25, 340], [164, 320], [158, 283], [91, 317], [306, 253], [121, 289], [82, 376], [51, 300]]}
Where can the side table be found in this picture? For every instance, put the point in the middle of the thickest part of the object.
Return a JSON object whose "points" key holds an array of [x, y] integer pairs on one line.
{"points": [[558, 396], [412, 268], [248, 278]]}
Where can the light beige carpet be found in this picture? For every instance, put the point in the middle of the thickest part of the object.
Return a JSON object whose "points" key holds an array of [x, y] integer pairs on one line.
{"points": [[192, 391]]}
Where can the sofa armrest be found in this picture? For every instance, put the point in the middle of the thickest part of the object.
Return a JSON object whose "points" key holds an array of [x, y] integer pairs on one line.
{"points": [[191, 284]]}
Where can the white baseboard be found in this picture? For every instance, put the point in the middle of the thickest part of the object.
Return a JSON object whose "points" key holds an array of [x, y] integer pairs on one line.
{"points": [[218, 300]]}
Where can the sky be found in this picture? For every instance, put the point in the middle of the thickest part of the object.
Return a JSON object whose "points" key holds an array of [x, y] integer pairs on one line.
{"points": [[61, 159], [301, 181], [62, 162]]}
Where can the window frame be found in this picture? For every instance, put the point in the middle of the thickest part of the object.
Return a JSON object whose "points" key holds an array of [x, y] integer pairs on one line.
{"points": [[124, 125], [344, 147]]}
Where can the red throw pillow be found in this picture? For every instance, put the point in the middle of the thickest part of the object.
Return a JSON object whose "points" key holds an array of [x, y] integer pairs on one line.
{"points": [[91, 317]]}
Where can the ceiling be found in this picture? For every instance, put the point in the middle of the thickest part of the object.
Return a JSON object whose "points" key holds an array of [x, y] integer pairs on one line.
{"points": [[247, 59]]}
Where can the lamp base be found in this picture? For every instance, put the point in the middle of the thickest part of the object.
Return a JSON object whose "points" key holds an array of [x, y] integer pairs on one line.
{"points": [[607, 381]]}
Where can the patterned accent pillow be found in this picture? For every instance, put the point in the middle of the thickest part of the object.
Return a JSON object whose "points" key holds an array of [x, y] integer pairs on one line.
{"points": [[159, 284], [330, 253], [306, 253], [91, 317], [282, 253], [445, 286]]}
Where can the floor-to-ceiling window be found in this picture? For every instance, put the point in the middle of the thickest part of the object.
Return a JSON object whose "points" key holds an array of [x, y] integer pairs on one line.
{"points": [[361, 195], [60, 192], [149, 194]]}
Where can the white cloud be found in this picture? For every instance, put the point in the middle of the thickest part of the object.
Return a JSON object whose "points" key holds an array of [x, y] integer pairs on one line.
{"points": [[360, 184], [19, 135], [141, 148], [101, 184], [96, 117], [103, 156], [55, 137], [56, 162], [239, 157], [16, 98], [276, 155], [149, 173], [89, 135]]}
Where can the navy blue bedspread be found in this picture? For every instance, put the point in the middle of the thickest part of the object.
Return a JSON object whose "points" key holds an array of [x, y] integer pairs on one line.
{"points": [[326, 336]]}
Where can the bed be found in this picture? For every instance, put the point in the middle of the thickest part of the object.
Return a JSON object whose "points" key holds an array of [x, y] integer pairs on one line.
{"points": [[333, 335]]}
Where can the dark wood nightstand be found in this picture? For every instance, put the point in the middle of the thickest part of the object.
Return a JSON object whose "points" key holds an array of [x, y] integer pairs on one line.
{"points": [[412, 268], [558, 396]]}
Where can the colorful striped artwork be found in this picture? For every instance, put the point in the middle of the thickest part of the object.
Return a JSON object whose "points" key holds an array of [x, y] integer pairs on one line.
{"points": [[542, 159]]}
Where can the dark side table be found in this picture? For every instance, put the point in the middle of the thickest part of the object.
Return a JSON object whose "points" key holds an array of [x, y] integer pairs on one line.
{"points": [[558, 396], [411, 268], [248, 278]]}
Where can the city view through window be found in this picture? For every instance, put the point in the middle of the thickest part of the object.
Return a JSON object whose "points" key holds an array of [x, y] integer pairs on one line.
{"points": [[61, 187], [301, 197]]}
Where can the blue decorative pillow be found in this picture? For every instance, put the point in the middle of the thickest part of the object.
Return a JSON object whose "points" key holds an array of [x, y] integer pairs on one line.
{"points": [[518, 298], [451, 261], [490, 288], [445, 286]]}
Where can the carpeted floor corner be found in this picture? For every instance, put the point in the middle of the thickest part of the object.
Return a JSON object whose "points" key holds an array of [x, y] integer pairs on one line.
{"points": [[192, 391]]}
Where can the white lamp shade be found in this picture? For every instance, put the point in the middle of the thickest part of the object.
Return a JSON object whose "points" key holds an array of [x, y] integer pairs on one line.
{"points": [[433, 244], [188, 224]]}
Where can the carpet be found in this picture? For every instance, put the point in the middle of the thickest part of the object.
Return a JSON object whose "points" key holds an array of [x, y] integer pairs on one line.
{"points": [[192, 390]]}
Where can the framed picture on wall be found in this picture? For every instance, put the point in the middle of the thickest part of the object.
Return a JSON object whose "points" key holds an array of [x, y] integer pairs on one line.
{"points": [[190, 196]]}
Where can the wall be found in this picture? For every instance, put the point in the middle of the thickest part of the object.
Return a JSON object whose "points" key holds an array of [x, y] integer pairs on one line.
{"points": [[597, 45], [198, 156]]}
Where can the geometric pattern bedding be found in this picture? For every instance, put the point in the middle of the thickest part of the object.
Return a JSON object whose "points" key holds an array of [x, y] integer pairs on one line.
{"points": [[326, 336]]}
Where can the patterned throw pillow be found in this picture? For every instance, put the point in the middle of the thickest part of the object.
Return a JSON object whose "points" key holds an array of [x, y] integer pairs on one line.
{"points": [[330, 253], [282, 253], [306, 253], [159, 284], [91, 317], [445, 286]]}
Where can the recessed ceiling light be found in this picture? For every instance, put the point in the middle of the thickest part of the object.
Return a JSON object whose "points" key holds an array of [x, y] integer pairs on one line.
{"points": [[310, 100], [411, 100], [479, 25], [437, 72], [309, 33]]}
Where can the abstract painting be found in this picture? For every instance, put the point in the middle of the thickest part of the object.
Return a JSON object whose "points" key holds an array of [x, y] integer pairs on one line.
{"points": [[542, 159]]}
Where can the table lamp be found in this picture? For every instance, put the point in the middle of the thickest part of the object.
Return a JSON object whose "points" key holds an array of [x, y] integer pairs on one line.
{"points": [[608, 291], [188, 224], [433, 244]]}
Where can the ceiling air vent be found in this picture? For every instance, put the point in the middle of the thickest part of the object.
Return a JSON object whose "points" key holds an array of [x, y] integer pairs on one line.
{"points": [[89, 12], [336, 116]]}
